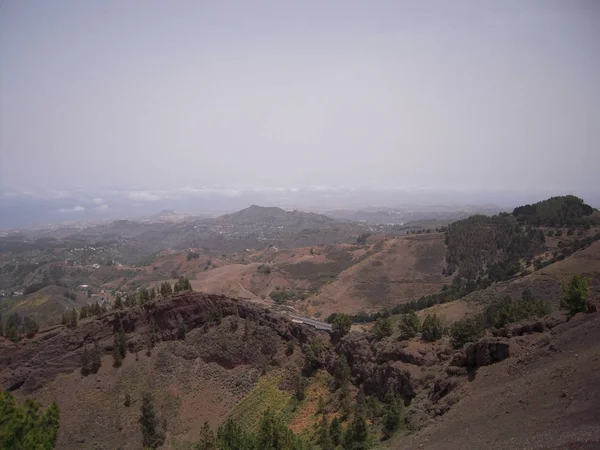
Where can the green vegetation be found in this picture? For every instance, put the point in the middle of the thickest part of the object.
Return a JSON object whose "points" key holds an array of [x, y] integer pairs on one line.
{"points": [[90, 360], [91, 310], [567, 210], [482, 247], [26, 427], [165, 289], [207, 439], [410, 325], [153, 435], [265, 395], [192, 255], [432, 329], [575, 295], [467, 330], [393, 414], [272, 434], [69, 318], [507, 310], [119, 348], [382, 328], [283, 295], [263, 269], [182, 284], [341, 325], [362, 239], [16, 327]]}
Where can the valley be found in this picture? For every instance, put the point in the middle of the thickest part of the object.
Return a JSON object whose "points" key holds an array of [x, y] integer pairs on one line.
{"points": [[325, 333]]}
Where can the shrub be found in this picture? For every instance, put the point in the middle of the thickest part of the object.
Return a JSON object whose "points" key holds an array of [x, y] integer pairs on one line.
{"points": [[575, 295], [467, 330], [263, 269], [409, 325], [382, 328], [498, 314], [341, 325], [362, 239], [433, 328]]}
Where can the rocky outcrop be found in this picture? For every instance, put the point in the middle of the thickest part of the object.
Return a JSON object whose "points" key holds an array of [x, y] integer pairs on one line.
{"points": [[376, 375], [31, 363], [485, 352]]}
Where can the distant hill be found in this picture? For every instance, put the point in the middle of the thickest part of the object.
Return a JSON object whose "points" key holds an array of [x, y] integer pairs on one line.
{"points": [[566, 210], [260, 215], [487, 249]]}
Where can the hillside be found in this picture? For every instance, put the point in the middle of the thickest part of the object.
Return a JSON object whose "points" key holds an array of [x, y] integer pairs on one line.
{"points": [[235, 360], [545, 397], [403, 269], [45, 305]]}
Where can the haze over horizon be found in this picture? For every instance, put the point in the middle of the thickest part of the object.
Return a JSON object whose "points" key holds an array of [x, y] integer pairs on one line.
{"points": [[140, 98]]}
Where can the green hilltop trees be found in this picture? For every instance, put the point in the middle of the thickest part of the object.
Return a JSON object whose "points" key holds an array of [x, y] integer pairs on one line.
{"points": [[16, 327]]}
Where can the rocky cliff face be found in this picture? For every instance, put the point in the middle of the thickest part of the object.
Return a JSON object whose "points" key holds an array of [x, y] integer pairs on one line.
{"points": [[30, 363]]}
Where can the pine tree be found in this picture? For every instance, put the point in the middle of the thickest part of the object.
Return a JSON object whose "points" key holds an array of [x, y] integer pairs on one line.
{"points": [[345, 400], [165, 289], [25, 426], [382, 328], [357, 433], [144, 295], [323, 435], [432, 328], [117, 359], [300, 386], [152, 293], [575, 295], [85, 362], [120, 342], [392, 416], [1, 326], [30, 326], [207, 439], [341, 372], [83, 313], [335, 431], [152, 436], [95, 361], [118, 302], [180, 328], [321, 405], [72, 319]]}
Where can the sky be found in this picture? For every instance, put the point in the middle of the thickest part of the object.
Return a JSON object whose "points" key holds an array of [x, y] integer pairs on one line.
{"points": [[142, 96]]}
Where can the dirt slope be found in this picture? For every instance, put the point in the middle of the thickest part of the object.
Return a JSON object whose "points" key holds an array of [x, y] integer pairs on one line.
{"points": [[240, 281], [405, 269], [546, 398]]}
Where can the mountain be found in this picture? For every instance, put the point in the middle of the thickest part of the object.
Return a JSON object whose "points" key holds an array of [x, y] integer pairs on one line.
{"points": [[457, 337]]}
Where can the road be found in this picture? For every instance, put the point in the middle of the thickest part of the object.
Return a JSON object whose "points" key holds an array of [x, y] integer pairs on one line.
{"points": [[313, 323]]}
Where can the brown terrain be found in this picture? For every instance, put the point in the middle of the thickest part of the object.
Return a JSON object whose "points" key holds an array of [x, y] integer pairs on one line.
{"points": [[537, 388], [529, 385], [229, 347], [405, 268], [546, 395]]}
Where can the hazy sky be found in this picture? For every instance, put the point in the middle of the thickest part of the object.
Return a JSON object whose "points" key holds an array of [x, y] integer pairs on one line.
{"points": [[486, 95]]}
